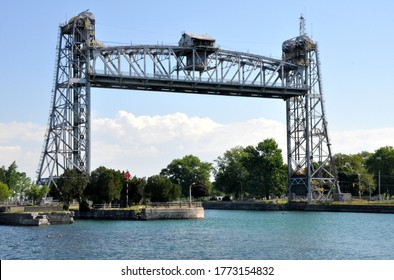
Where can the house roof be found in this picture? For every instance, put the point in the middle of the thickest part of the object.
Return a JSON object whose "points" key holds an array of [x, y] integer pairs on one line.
{"points": [[199, 36]]}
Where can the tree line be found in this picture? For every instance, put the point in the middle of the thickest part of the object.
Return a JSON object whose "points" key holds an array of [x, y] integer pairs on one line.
{"points": [[18, 186], [242, 172]]}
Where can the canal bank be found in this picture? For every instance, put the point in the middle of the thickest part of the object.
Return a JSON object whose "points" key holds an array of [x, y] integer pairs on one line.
{"points": [[299, 206], [145, 214], [36, 218], [241, 205]]}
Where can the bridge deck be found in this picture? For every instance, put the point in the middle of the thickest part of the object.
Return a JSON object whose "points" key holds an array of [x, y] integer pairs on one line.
{"points": [[200, 87]]}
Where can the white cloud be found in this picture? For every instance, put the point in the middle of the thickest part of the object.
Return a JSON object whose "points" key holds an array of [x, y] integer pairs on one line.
{"points": [[358, 140], [146, 144], [21, 142], [21, 131]]}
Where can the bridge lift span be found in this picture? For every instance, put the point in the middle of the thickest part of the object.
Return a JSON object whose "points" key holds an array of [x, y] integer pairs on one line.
{"points": [[196, 65]]}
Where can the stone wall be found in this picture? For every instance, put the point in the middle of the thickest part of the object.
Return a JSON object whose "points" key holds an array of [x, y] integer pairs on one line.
{"points": [[47, 208], [157, 213], [64, 217], [23, 219], [22, 208], [113, 214], [36, 218], [172, 213], [11, 209], [351, 208]]}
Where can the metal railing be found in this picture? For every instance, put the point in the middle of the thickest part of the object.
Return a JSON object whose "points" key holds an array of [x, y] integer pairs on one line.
{"points": [[106, 206], [175, 204]]}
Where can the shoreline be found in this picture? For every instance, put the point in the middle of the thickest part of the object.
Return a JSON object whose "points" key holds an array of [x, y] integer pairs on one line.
{"points": [[50, 216], [299, 206], [145, 214]]}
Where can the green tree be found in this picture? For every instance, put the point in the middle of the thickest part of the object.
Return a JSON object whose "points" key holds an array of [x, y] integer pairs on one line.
{"points": [[71, 185], [188, 170], [5, 192], [37, 193], [353, 175], [105, 185], [382, 161], [160, 189], [267, 172], [199, 190], [230, 172], [3, 172], [16, 181], [136, 190]]}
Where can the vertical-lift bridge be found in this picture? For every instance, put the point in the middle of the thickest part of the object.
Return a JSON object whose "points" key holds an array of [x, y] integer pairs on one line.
{"points": [[196, 66]]}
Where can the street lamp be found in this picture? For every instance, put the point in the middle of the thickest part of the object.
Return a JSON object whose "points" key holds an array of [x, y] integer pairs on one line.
{"points": [[359, 185], [190, 195], [127, 178], [241, 196], [380, 197]]}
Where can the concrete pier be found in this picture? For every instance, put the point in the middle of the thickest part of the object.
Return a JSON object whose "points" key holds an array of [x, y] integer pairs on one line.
{"points": [[36, 218], [145, 214]]}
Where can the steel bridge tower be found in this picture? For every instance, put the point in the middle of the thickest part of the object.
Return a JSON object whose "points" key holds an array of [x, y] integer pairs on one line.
{"points": [[311, 169], [67, 139], [195, 66]]}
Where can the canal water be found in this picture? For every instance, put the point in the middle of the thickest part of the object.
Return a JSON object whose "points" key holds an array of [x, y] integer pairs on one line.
{"points": [[245, 235]]}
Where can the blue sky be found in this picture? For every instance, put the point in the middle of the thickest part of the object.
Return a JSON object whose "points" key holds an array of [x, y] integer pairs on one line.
{"points": [[355, 42]]}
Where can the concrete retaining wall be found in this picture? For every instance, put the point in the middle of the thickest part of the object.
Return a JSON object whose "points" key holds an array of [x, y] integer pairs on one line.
{"points": [[36, 218], [57, 218], [23, 219], [145, 214], [351, 208], [172, 213], [299, 206], [228, 205], [107, 215], [22, 208]]}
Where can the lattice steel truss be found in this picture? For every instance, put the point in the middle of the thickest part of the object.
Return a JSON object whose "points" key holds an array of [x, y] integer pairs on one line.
{"points": [[67, 140], [311, 168], [194, 70], [83, 63]]}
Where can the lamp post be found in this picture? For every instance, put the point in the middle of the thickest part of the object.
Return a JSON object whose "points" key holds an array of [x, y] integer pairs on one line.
{"points": [[190, 195], [241, 196], [380, 198], [127, 178]]}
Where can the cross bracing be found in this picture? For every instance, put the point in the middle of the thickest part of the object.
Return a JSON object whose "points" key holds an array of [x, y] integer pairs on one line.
{"points": [[200, 68], [194, 70]]}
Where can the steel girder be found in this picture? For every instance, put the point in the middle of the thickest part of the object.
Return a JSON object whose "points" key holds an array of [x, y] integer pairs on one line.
{"points": [[194, 70]]}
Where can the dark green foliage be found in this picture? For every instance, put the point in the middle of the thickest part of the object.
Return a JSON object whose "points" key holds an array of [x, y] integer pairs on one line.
{"points": [[188, 170], [199, 190], [382, 161], [160, 189], [84, 206], [105, 185], [258, 171], [136, 187], [267, 172], [352, 173], [230, 172], [71, 185]]}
